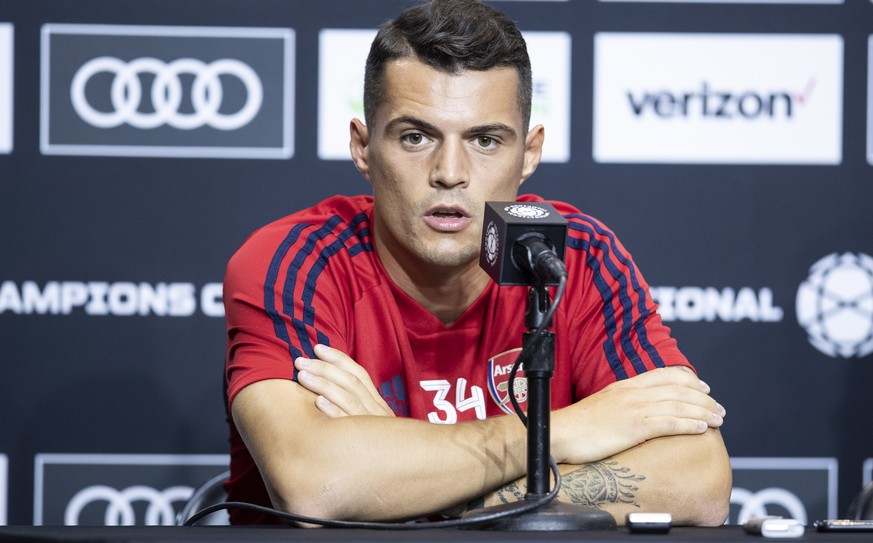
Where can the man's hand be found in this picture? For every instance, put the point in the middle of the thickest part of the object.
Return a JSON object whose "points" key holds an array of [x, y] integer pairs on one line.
{"points": [[661, 402], [342, 387]]}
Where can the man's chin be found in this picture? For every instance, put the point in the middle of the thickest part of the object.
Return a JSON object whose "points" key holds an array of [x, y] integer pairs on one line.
{"points": [[449, 259]]}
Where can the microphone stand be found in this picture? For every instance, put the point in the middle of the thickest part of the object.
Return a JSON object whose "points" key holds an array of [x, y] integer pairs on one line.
{"points": [[554, 515]]}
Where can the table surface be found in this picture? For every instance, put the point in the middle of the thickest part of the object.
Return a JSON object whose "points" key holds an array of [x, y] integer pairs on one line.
{"points": [[254, 534]]}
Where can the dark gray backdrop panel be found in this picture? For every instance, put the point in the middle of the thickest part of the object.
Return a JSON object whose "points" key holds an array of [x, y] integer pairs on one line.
{"points": [[148, 384]]}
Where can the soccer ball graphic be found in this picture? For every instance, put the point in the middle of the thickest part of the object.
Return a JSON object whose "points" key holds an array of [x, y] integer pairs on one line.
{"points": [[835, 305]]}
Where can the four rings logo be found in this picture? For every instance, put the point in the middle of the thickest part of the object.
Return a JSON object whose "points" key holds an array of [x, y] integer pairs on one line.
{"points": [[117, 489], [117, 90], [166, 96], [755, 504], [800, 488], [120, 510]]}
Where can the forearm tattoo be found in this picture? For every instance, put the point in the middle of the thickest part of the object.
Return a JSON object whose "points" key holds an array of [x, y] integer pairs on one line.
{"points": [[510, 493], [601, 483], [592, 485]]}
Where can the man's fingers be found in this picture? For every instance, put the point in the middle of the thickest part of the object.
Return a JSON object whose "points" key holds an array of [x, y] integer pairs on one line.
{"points": [[328, 372], [329, 408], [339, 386], [685, 411], [331, 393], [342, 361], [678, 375], [671, 426]]}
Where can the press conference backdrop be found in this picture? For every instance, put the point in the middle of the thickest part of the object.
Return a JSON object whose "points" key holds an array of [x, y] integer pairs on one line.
{"points": [[729, 144]]}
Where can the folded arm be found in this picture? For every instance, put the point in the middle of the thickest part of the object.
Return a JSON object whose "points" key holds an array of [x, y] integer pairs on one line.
{"points": [[687, 476], [317, 460], [681, 467], [369, 467]]}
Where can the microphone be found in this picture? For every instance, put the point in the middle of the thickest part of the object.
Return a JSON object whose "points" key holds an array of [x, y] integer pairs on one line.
{"points": [[523, 243]]}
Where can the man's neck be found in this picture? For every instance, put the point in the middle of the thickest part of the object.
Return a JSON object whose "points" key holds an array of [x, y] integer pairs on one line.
{"points": [[446, 293]]}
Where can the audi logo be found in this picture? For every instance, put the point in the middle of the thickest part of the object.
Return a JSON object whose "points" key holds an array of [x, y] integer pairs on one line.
{"points": [[166, 93], [754, 504], [120, 510]]}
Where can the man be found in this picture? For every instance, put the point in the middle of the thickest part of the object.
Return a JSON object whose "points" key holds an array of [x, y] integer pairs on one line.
{"points": [[360, 330]]}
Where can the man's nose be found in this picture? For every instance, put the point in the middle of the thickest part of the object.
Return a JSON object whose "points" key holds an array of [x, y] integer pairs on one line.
{"points": [[450, 164]]}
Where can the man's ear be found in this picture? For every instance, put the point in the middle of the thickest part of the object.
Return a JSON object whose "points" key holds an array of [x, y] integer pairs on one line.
{"points": [[358, 141], [533, 151]]}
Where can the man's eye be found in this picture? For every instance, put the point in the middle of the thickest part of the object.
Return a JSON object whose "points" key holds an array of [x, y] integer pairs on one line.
{"points": [[486, 142], [414, 139]]}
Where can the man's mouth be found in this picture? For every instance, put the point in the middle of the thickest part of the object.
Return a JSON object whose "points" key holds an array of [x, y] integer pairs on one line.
{"points": [[447, 219], [447, 214]]}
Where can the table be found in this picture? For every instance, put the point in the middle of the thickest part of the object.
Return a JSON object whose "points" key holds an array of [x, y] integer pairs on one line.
{"points": [[256, 534]]}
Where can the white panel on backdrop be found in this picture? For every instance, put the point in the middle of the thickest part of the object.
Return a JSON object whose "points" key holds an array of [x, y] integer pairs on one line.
{"points": [[216, 92], [6, 86], [341, 58], [867, 470], [4, 487], [870, 99], [551, 64], [79, 489], [718, 98], [343, 53]]}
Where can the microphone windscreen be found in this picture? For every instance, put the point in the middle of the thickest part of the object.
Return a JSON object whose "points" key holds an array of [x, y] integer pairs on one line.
{"points": [[505, 223]]}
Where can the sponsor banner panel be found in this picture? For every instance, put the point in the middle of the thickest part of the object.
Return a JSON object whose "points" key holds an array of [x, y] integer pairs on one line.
{"points": [[167, 91], [117, 489], [834, 304], [6, 86], [4, 488], [118, 298], [718, 98], [800, 488], [343, 53]]}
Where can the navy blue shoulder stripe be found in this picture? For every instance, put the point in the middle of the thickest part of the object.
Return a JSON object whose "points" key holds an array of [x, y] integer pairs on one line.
{"points": [[307, 318], [610, 252], [270, 284]]}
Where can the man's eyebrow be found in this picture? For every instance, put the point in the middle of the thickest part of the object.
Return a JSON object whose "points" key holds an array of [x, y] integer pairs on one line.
{"points": [[492, 128], [410, 120], [429, 127]]}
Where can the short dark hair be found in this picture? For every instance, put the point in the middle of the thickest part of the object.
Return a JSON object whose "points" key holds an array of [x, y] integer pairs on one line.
{"points": [[451, 36]]}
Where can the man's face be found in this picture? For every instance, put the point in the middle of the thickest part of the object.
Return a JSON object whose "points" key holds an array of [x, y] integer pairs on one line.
{"points": [[441, 146]]}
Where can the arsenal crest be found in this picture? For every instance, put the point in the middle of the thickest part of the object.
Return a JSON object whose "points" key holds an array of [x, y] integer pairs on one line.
{"points": [[499, 368]]}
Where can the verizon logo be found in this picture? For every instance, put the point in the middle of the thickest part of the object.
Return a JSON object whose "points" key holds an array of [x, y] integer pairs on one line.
{"points": [[719, 103]]}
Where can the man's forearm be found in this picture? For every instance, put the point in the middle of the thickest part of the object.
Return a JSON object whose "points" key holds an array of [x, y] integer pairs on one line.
{"points": [[687, 476], [412, 468], [487, 454], [371, 467]]}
